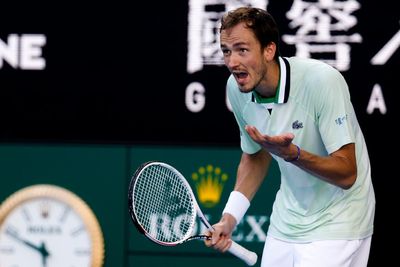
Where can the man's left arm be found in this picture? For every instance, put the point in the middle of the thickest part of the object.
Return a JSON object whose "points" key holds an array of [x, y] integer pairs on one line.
{"points": [[338, 168]]}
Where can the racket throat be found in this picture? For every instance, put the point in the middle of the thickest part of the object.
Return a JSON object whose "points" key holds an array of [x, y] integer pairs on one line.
{"points": [[205, 222], [198, 237]]}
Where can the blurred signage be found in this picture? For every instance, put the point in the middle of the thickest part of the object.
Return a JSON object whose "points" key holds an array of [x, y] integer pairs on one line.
{"points": [[23, 51]]}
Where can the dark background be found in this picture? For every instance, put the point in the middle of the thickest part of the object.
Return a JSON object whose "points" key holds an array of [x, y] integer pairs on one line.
{"points": [[116, 74]]}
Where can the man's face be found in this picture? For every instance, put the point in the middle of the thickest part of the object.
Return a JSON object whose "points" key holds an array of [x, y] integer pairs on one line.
{"points": [[243, 56]]}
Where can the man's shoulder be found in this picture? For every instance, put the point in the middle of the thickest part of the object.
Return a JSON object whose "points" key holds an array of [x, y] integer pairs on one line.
{"points": [[308, 70], [315, 64], [310, 64]]}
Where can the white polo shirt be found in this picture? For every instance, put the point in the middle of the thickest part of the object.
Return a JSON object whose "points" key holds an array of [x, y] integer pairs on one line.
{"points": [[313, 103]]}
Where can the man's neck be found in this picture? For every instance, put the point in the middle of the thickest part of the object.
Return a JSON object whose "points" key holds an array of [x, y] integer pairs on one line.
{"points": [[269, 87]]}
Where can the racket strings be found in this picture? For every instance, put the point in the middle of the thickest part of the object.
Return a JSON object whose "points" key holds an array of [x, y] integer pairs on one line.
{"points": [[163, 204]]}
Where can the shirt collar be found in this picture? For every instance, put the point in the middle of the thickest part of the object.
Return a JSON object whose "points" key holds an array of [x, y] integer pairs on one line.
{"points": [[283, 89]]}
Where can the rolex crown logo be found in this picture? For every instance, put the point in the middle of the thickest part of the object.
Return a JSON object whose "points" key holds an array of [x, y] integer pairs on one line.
{"points": [[209, 183]]}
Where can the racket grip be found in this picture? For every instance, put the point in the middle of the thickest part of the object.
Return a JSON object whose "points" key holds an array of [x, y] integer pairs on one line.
{"points": [[246, 255]]}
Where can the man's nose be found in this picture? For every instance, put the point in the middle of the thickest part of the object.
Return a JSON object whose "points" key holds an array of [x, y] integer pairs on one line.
{"points": [[232, 61]]}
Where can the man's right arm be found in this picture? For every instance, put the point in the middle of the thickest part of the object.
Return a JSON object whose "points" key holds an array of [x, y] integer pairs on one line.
{"points": [[251, 172]]}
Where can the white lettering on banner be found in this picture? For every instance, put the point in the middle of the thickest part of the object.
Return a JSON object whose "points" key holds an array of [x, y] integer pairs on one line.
{"points": [[203, 30], [250, 229], [256, 228], [180, 224], [318, 25], [376, 101], [194, 97], [24, 52], [155, 221], [387, 50], [161, 226], [9, 52]]}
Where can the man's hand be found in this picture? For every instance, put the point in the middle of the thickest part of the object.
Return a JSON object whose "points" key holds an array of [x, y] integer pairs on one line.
{"points": [[280, 145], [221, 236]]}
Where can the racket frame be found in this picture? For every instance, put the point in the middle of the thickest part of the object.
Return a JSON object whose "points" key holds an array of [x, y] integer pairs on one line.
{"points": [[195, 207]]}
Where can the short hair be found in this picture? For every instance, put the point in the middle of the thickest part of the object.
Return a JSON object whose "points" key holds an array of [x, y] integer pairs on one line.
{"points": [[258, 20]]}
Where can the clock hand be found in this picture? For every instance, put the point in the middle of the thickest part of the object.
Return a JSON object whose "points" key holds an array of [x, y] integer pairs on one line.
{"points": [[44, 255], [41, 249]]}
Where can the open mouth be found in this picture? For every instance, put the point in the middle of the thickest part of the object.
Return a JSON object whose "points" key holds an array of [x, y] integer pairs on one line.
{"points": [[241, 76]]}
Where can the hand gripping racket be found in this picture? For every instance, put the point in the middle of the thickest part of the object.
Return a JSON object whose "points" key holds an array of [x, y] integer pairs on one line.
{"points": [[163, 208]]}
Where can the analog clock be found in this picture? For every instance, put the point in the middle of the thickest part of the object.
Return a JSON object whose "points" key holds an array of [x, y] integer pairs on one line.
{"points": [[49, 226]]}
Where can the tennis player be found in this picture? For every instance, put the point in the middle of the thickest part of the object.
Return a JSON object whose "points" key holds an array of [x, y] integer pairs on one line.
{"points": [[297, 112]]}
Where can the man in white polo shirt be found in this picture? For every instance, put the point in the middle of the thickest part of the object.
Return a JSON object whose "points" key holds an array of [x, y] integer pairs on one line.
{"points": [[298, 112]]}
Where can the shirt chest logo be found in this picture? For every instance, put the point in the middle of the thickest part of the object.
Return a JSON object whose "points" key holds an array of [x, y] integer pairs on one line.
{"points": [[297, 125]]}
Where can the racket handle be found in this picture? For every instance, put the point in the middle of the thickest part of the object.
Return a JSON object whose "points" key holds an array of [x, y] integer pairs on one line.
{"points": [[246, 255]]}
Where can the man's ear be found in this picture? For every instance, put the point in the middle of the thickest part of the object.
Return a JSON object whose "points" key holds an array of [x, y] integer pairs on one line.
{"points": [[269, 52]]}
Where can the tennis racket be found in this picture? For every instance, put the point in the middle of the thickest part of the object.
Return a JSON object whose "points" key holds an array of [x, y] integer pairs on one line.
{"points": [[163, 208]]}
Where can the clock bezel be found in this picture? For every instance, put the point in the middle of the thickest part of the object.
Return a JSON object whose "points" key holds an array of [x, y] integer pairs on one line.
{"points": [[66, 196]]}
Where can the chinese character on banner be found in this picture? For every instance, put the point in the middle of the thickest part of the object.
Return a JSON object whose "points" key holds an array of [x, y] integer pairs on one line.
{"points": [[387, 50], [203, 30], [322, 30]]}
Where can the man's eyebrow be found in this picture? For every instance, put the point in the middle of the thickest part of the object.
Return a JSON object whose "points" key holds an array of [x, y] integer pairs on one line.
{"points": [[235, 44], [240, 43]]}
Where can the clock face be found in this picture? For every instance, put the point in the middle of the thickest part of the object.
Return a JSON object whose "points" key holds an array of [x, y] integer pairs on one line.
{"points": [[45, 228]]}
